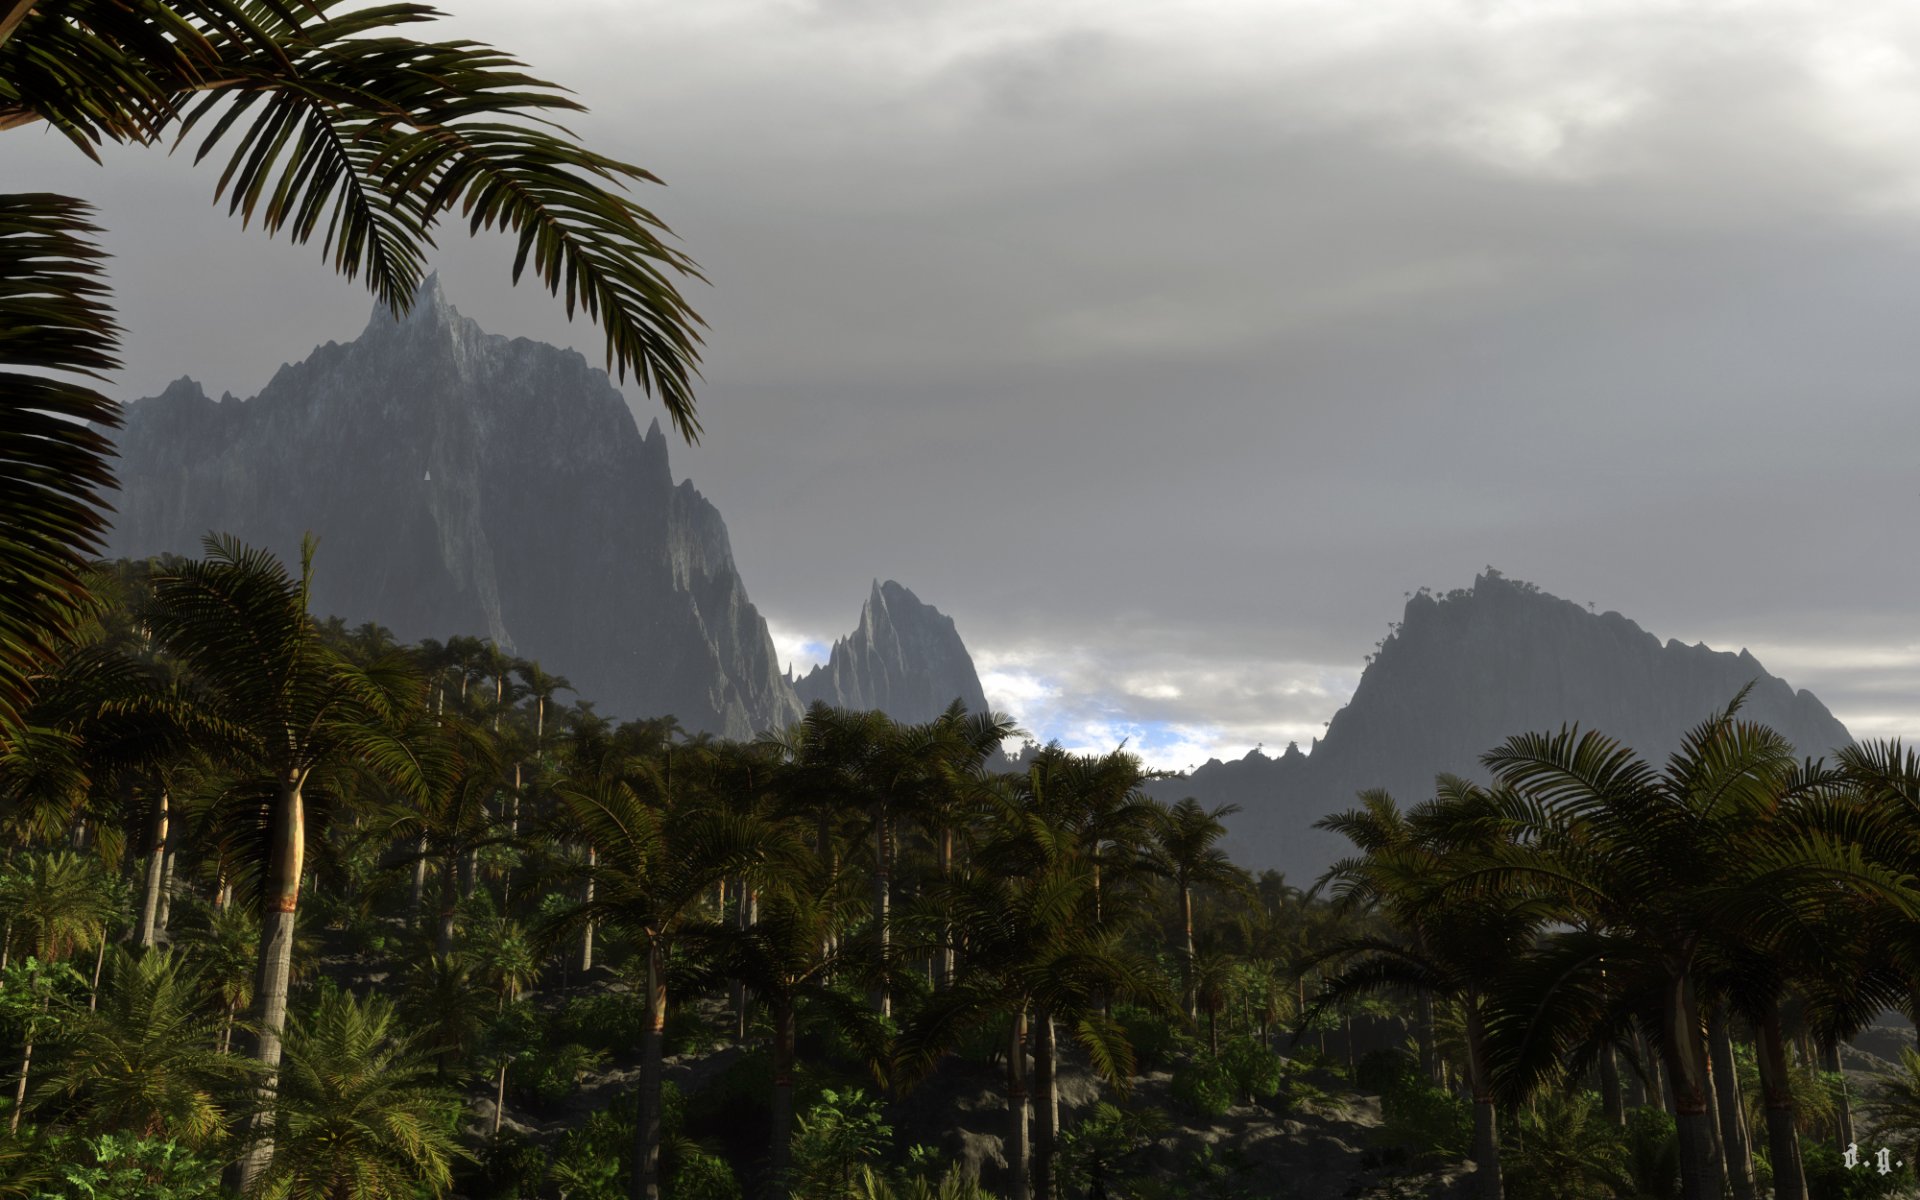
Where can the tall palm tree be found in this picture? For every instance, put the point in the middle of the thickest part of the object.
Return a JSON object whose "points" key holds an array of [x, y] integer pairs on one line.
{"points": [[1186, 851], [785, 957], [1633, 856], [1036, 956], [240, 622], [1454, 945], [659, 854]]}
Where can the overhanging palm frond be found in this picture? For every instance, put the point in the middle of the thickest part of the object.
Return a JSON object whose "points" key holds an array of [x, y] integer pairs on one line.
{"points": [[53, 456], [381, 136]]}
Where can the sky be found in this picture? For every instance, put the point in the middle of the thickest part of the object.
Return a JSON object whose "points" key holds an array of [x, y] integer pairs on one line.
{"points": [[1166, 347]]}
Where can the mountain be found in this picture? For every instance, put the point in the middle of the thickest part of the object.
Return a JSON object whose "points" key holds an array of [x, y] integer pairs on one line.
{"points": [[466, 483], [905, 659], [1461, 674]]}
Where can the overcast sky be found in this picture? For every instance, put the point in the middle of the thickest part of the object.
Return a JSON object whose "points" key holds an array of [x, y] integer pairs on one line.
{"points": [[1165, 346]]}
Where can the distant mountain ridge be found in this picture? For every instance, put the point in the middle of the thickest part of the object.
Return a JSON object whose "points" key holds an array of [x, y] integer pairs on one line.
{"points": [[1464, 672], [464, 482]]}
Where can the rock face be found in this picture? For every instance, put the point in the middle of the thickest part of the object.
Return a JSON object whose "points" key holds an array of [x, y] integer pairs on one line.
{"points": [[464, 483], [905, 659], [1462, 674]]}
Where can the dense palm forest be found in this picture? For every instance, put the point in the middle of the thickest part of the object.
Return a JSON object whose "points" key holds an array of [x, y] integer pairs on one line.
{"points": [[290, 909]]}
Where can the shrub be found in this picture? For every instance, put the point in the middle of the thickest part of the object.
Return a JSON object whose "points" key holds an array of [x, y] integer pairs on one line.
{"points": [[551, 1075], [1422, 1124], [1381, 1071], [1203, 1087], [835, 1136], [1156, 1042], [615, 1021], [1653, 1154], [1255, 1070], [113, 1165], [508, 1167], [1828, 1177]]}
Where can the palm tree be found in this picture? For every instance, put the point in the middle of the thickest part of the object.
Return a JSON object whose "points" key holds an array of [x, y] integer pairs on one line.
{"points": [[1185, 851], [146, 1062], [359, 1113], [1632, 856], [1454, 946], [57, 902], [1036, 954], [785, 957], [240, 622], [659, 854], [381, 135], [542, 688]]}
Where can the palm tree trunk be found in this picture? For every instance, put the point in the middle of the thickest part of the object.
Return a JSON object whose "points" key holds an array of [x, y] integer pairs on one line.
{"points": [[449, 899], [944, 968], [882, 904], [499, 1098], [26, 1067], [1016, 1148], [1186, 961], [1610, 1098], [1486, 1128], [167, 861], [745, 914], [1783, 1141], [586, 932], [417, 903], [1046, 1106], [156, 862], [1733, 1118], [1702, 1174], [1423, 1030], [20, 1092], [1843, 1111], [288, 855], [99, 960], [780, 1152], [646, 1125]]}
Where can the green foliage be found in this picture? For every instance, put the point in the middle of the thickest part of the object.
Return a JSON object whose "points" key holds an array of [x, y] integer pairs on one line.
{"points": [[1561, 1147], [1104, 1145], [1157, 1042], [507, 1167], [832, 1139], [553, 1074], [1420, 1123], [592, 1161], [614, 1021], [1255, 1070], [1203, 1086], [1653, 1154], [116, 1166], [1828, 1177], [870, 1184], [358, 1107]]}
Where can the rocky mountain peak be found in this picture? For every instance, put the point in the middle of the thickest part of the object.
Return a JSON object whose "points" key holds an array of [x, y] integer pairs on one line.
{"points": [[1464, 671], [467, 483], [905, 658]]}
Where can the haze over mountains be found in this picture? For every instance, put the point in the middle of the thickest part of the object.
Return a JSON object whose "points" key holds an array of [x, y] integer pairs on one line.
{"points": [[1461, 674], [462, 482]]}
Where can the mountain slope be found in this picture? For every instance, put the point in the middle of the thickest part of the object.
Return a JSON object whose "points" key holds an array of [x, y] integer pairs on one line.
{"points": [[1464, 672], [463, 482]]}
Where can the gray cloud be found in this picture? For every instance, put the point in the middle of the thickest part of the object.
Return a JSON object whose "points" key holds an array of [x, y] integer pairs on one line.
{"points": [[1164, 346]]}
